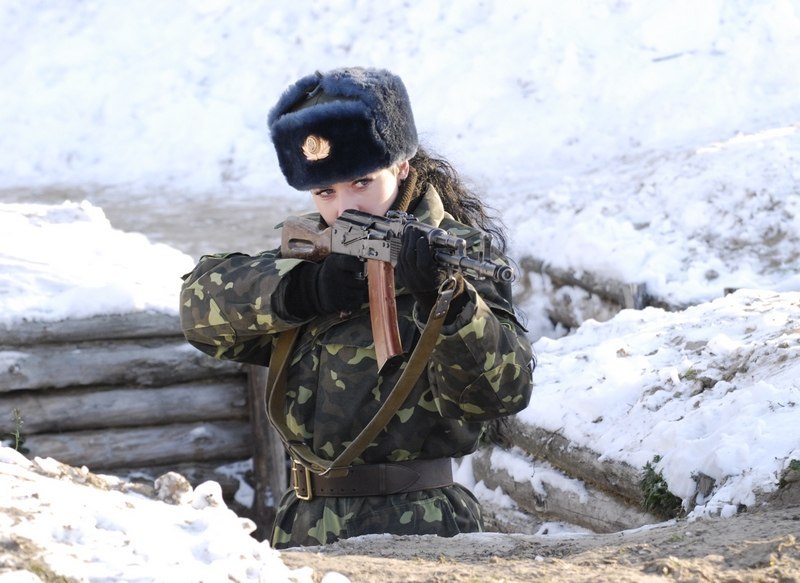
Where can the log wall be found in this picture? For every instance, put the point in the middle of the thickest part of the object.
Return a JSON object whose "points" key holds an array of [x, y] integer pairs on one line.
{"points": [[126, 395], [610, 496]]}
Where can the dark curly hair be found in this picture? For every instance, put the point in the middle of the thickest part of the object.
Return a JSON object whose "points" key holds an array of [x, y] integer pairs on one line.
{"points": [[460, 200]]}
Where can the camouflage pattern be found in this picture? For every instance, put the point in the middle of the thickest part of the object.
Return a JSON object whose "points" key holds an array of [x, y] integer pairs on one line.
{"points": [[441, 511], [480, 369]]}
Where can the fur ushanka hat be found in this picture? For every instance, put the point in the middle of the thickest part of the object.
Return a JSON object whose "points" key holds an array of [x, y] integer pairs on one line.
{"points": [[336, 126]]}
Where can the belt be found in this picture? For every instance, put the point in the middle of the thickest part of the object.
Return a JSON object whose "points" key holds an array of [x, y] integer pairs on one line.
{"points": [[374, 479]]}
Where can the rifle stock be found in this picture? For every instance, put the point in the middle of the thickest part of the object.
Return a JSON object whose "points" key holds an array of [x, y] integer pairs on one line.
{"points": [[304, 238]]}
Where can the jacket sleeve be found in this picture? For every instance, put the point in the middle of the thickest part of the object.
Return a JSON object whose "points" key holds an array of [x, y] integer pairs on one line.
{"points": [[482, 365], [230, 305]]}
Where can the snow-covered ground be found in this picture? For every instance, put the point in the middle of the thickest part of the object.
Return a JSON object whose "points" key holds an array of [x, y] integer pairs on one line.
{"points": [[91, 528], [650, 142]]}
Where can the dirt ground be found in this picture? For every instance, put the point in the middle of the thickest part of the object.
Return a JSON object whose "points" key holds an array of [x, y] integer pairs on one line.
{"points": [[758, 545]]}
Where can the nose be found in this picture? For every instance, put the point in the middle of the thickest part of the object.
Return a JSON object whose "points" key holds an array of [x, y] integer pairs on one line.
{"points": [[346, 202]]}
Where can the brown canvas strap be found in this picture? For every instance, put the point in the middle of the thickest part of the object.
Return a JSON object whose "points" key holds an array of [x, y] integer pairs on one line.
{"points": [[276, 392]]}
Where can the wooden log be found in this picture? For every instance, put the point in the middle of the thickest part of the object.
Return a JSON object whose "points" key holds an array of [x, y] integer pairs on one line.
{"points": [[626, 295], [270, 474], [105, 327], [558, 500], [498, 518], [130, 362], [614, 477], [145, 446], [104, 408], [623, 294]]}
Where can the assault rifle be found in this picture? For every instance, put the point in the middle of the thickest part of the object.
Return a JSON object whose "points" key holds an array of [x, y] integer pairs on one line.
{"points": [[376, 240]]}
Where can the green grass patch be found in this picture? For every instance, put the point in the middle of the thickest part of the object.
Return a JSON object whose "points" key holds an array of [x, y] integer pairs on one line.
{"points": [[657, 497]]}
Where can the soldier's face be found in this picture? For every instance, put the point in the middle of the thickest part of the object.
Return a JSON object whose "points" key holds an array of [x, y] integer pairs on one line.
{"points": [[373, 193]]}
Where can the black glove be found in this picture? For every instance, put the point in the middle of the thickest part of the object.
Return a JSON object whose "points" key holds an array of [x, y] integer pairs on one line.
{"points": [[416, 269], [326, 288]]}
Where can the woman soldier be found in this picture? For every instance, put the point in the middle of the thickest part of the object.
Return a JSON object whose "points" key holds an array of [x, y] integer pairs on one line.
{"points": [[348, 137]]}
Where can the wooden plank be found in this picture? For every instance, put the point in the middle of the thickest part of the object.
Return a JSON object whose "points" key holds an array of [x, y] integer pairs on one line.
{"points": [[132, 362], [104, 408], [145, 446], [269, 457], [616, 478], [111, 327], [557, 500]]}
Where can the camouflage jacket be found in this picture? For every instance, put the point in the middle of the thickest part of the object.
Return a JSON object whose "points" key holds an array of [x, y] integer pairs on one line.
{"points": [[479, 369]]}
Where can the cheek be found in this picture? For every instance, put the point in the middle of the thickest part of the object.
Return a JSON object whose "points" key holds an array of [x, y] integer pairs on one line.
{"points": [[328, 213], [384, 196], [329, 216]]}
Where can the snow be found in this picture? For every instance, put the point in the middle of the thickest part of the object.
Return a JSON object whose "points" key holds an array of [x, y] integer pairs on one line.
{"points": [[650, 142], [711, 389], [99, 532], [73, 263]]}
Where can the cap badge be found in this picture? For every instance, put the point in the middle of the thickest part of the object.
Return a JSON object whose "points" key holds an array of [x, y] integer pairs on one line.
{"points": [[316, 148]]}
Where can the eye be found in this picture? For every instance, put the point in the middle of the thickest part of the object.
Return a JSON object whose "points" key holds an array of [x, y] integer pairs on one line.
{"points": [[363, 182], [325, 194]]}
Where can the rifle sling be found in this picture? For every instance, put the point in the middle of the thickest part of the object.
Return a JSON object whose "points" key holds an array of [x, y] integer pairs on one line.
{"points": [[276, 392]]}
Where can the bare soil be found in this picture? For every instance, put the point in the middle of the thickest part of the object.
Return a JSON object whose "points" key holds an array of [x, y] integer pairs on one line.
{"points": [[762, 544]]}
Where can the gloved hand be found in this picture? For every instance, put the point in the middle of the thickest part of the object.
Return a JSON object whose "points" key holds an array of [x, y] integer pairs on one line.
{"points": [[416, 269], [327, 287]]}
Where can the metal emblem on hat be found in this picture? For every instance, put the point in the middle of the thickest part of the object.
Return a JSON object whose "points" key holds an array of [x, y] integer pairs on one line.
{"points": [[316, 148]]}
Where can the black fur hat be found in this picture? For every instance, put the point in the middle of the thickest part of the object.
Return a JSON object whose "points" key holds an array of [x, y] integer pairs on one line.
{"points": [[336, 126]]}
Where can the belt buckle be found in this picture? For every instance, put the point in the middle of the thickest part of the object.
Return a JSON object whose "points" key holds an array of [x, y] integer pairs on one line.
{"points": [[298, 468]]}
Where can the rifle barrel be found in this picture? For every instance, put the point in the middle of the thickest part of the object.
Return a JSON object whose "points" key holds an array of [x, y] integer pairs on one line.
{"points": [[503, 273]]}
